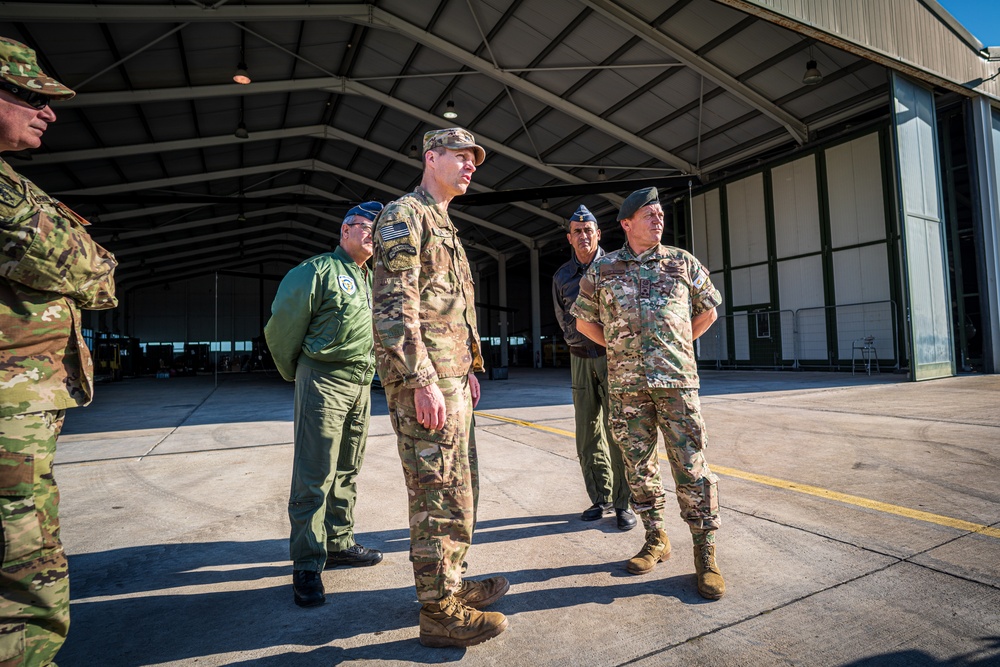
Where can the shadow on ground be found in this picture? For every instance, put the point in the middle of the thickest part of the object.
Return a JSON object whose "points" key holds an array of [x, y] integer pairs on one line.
{"points": [[160, 603]]}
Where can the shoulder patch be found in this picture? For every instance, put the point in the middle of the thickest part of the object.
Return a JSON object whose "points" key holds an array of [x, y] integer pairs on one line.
{"points": [[10, 197], [396, 230]]}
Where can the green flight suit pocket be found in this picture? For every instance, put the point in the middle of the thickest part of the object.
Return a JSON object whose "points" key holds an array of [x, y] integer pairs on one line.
{"points": [[22, 534]]}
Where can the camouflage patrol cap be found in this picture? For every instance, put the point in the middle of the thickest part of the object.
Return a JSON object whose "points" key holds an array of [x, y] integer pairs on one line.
{"points": [[637, 200], [19, 66], [454, 138]]}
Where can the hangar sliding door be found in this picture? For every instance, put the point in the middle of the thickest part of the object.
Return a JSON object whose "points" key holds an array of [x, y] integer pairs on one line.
{"points": [[922, 222]]}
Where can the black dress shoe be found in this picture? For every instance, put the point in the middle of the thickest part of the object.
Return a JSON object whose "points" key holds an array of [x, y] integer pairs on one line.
{"points": [[356, 556], [626, 519], [308, 587], [596, 511]]}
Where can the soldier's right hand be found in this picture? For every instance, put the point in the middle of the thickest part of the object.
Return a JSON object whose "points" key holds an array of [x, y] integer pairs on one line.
{"points": [[429, 403]]}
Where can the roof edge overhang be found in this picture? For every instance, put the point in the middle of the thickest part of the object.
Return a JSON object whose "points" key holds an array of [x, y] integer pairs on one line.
{"points": [[972, 56]]}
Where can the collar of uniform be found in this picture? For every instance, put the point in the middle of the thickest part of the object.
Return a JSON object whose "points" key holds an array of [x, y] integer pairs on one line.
{"points": [[8, 171], [342, 255], [581, 265], [425, 195], [658, 250]]}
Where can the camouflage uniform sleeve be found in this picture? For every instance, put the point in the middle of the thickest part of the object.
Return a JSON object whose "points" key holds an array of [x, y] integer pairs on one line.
{"points": [[704, 296], [47, 248], [586, 307], [291, 313], [398, 239]]}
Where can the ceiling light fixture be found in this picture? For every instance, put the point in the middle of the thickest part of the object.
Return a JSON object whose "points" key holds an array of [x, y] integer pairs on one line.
{"points": [[413, 152], [812, 75], [545, 204], [601, 176], [449, 111], [241, 75]]}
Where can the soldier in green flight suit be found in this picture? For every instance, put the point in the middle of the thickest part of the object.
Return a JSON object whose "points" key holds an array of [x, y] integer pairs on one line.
{"points": [[320, 337], [50, 268]]}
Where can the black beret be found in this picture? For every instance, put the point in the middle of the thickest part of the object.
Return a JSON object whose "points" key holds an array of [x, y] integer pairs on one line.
{"points": [[637, 200]]}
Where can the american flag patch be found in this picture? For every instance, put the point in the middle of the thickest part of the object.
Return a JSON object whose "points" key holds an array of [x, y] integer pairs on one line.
{"points": [[396, 231]]}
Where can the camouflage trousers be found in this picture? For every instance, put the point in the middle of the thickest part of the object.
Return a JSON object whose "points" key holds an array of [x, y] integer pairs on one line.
{"points": [[677, 412], [441, 471], [34, 580]]}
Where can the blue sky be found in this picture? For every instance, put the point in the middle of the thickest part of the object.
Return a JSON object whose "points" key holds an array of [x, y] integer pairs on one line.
{"points": [[980, 17]]}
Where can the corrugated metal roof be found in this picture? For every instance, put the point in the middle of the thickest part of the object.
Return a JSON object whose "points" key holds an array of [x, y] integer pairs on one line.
{"points": [[555, 89]]}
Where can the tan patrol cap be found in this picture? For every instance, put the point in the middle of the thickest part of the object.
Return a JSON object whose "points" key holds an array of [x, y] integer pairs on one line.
{"points": [[454, 138], [19, 67]]}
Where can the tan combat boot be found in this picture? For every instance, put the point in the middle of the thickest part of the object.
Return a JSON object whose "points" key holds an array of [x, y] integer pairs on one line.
{"points": [[448, 622], [483, 593], [656, 548], [710, 582]]}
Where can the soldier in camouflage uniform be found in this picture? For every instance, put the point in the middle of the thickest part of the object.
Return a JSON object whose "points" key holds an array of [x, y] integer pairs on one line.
{"points": [[647, 303], [50, 268], [426, 351]]}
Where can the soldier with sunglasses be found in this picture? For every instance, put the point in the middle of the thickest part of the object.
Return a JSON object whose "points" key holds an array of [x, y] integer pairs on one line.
{"points": [[50, 269]]}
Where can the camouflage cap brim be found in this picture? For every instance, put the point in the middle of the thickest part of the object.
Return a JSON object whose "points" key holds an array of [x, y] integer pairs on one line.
{"points": [[19, 66]]}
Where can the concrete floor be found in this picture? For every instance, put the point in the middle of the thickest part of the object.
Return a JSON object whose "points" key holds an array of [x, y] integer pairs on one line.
{"points": [[173, 513]]}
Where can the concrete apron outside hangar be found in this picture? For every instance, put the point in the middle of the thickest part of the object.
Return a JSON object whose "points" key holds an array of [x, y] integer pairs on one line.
{"points": [[861, 526]]}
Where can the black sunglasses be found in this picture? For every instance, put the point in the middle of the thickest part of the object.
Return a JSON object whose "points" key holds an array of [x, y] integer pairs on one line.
{"points": [[32, 98]]}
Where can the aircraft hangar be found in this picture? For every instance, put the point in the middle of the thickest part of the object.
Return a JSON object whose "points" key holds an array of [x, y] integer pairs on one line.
{"points": [[833, 164]]}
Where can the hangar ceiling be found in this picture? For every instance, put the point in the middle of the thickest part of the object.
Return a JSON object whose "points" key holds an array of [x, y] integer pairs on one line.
{"points": [[559, 92]]}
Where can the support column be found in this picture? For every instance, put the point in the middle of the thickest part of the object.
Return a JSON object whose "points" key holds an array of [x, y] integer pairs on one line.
{"points": [[536, 314], [502, 299], [986, 130]]}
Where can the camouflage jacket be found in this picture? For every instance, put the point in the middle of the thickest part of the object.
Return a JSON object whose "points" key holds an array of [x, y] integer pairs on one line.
{"points": [[424, 299], [645, 305], [50, 268], [565, 288]]}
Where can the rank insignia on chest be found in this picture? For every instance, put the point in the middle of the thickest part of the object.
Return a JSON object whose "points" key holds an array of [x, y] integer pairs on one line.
{"points": [[347, 284], [644, 285], [396, 231]]}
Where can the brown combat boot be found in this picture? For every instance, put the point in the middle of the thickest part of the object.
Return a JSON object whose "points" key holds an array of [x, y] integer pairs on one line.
{"points": [[656, 548], [448, 622], [483, 593], [710, 582]]}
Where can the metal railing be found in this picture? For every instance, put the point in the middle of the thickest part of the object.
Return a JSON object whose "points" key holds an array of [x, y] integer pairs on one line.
{"points": [[799, 339]]}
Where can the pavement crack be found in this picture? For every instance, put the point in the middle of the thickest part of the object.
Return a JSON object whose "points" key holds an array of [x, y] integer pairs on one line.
{"points": [[174, 429]]}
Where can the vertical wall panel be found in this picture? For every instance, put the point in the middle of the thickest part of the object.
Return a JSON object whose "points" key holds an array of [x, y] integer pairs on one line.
{"points": [[796, 208], [745, 217], [800, 288], [751, 286], [861, 276], [857, 201], [707, 225]]}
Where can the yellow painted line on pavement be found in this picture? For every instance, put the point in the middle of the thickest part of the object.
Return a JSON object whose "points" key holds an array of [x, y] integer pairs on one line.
{"points": [[817, 491]]}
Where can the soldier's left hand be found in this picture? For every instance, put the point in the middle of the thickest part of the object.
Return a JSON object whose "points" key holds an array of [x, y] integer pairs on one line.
{"points": [[474, 389]]}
